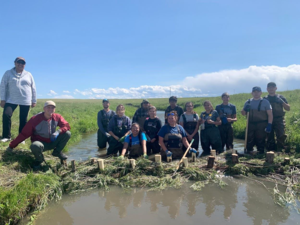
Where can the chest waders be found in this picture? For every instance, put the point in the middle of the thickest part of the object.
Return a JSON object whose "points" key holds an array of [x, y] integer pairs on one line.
{"points": [[105, 120], [141, 120], [278, 127], [114, 145], [173, 143], [135, 151], [190, 127], [258, 121], [226, 131]]}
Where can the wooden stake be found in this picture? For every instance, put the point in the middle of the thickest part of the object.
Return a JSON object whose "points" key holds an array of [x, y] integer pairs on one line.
{"points": [[270, 157], [213, 153], [100, 164], [185, 162], [158, 158], [193, 157], [235, 158], [211, 161], [286, 161], [246, 134], [169, 158], [132, 163], [73, 165]]}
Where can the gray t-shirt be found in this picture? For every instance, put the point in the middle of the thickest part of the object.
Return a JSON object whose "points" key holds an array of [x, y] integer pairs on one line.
{"points": [[265, 104], [189, 118]]}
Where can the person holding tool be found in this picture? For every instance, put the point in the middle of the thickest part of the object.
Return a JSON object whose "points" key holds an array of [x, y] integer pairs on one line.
{"points": [[279, 104], [227, 113], [210, 134], [104, 116], [42, 128], [260, 120], [119, 127], [171, 138]]}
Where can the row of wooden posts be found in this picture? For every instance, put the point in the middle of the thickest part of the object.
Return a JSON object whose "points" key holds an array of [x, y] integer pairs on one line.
{"points": [[210, 162]]}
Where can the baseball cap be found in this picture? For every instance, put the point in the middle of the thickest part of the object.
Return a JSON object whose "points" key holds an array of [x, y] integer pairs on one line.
{"points": [[105, 100], [50, 103], [256, 88], [173, 98], [271, 84], [145, 101], [20, 59]]}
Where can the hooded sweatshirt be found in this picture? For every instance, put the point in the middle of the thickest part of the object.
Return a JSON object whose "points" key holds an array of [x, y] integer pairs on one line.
{"points": [[18, 89]]}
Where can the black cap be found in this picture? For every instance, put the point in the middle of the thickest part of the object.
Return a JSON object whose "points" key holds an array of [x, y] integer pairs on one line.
{"points": [[225, 94], [256, 88], [271, 84], [105, 100], [173, 98], [145, 101]]}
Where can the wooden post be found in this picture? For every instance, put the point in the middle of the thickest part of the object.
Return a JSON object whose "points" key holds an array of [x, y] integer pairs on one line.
{"points": [[213, 153], [169, 158], [235, 158], [73, 165], [270, 157], [64, 163], [92, 161], [132, 163], [193, 157], [185, 162], [158, 158], [211, 161], [100, 164], [286, 161]]}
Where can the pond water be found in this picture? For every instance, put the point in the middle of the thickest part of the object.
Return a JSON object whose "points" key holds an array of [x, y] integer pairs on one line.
{"points": [[242, 201]]}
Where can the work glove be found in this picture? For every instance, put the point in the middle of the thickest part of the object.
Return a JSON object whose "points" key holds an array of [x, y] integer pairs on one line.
{"points": [[107, 134], [54, 135], [9, 150], [224, 120], [120, 157], [169, 153], [192, 150], [269, 128], [146, 156], [279, 100], [122, 139], [247, 108]]}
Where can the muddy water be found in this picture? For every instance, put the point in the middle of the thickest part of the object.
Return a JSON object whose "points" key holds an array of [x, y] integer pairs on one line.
{"points": [[88, 146], [241, 202]]}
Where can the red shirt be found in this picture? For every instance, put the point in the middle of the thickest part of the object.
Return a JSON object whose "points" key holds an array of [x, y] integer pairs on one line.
{"points": [[40, 129]]}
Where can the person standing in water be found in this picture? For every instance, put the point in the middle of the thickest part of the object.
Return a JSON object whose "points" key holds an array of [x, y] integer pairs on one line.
{"points": [[189, 120], [151, 126], [210, 134], [104, 116], [173, 107], [227, 113], [119, 126]]}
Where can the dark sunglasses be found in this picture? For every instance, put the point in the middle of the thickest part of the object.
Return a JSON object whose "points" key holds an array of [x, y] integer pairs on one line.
{"points": [[21, 62], [171, 114]]}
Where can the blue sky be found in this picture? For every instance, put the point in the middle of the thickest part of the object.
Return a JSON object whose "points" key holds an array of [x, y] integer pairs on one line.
{"points": [[87, 47]]}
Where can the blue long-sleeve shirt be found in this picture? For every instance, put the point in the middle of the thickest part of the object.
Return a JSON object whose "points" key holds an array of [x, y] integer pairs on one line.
{"points": [[107, 115]]}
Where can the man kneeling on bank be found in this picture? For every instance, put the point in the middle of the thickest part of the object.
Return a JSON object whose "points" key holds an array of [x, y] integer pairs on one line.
{"points": [[44, 136]]}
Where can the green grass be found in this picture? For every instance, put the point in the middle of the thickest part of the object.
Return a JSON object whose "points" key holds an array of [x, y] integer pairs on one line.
{"points": [[22, 191]]}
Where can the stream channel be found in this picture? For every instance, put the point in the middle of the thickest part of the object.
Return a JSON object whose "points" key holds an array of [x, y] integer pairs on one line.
{"points": [[242, 201]]}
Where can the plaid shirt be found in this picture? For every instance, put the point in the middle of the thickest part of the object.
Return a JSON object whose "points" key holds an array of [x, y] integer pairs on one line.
{"points": [[140, 113]]}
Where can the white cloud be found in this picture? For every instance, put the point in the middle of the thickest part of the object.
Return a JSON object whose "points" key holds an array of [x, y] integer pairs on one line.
{"points": [[209, 84], [52, 93], [64, 96], [66, 92]]}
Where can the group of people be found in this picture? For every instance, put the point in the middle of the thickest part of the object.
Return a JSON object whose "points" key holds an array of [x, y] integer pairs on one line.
{"points": [[144, 134]]}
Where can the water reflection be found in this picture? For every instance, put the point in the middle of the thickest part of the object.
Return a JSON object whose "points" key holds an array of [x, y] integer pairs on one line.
{"points": [[242, 201]]}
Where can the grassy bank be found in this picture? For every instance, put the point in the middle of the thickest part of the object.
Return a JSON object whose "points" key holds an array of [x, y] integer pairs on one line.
{"points": [[22, 191]]}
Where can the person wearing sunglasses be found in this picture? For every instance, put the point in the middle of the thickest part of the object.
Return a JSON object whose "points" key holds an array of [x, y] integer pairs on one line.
{"points": [[189, 120], [17, 88], [172, 137], [210, 134]]}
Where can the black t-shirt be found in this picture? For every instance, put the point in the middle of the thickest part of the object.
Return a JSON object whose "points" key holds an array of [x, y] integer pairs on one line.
{"points": [[154, 124], [272, 99]]}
